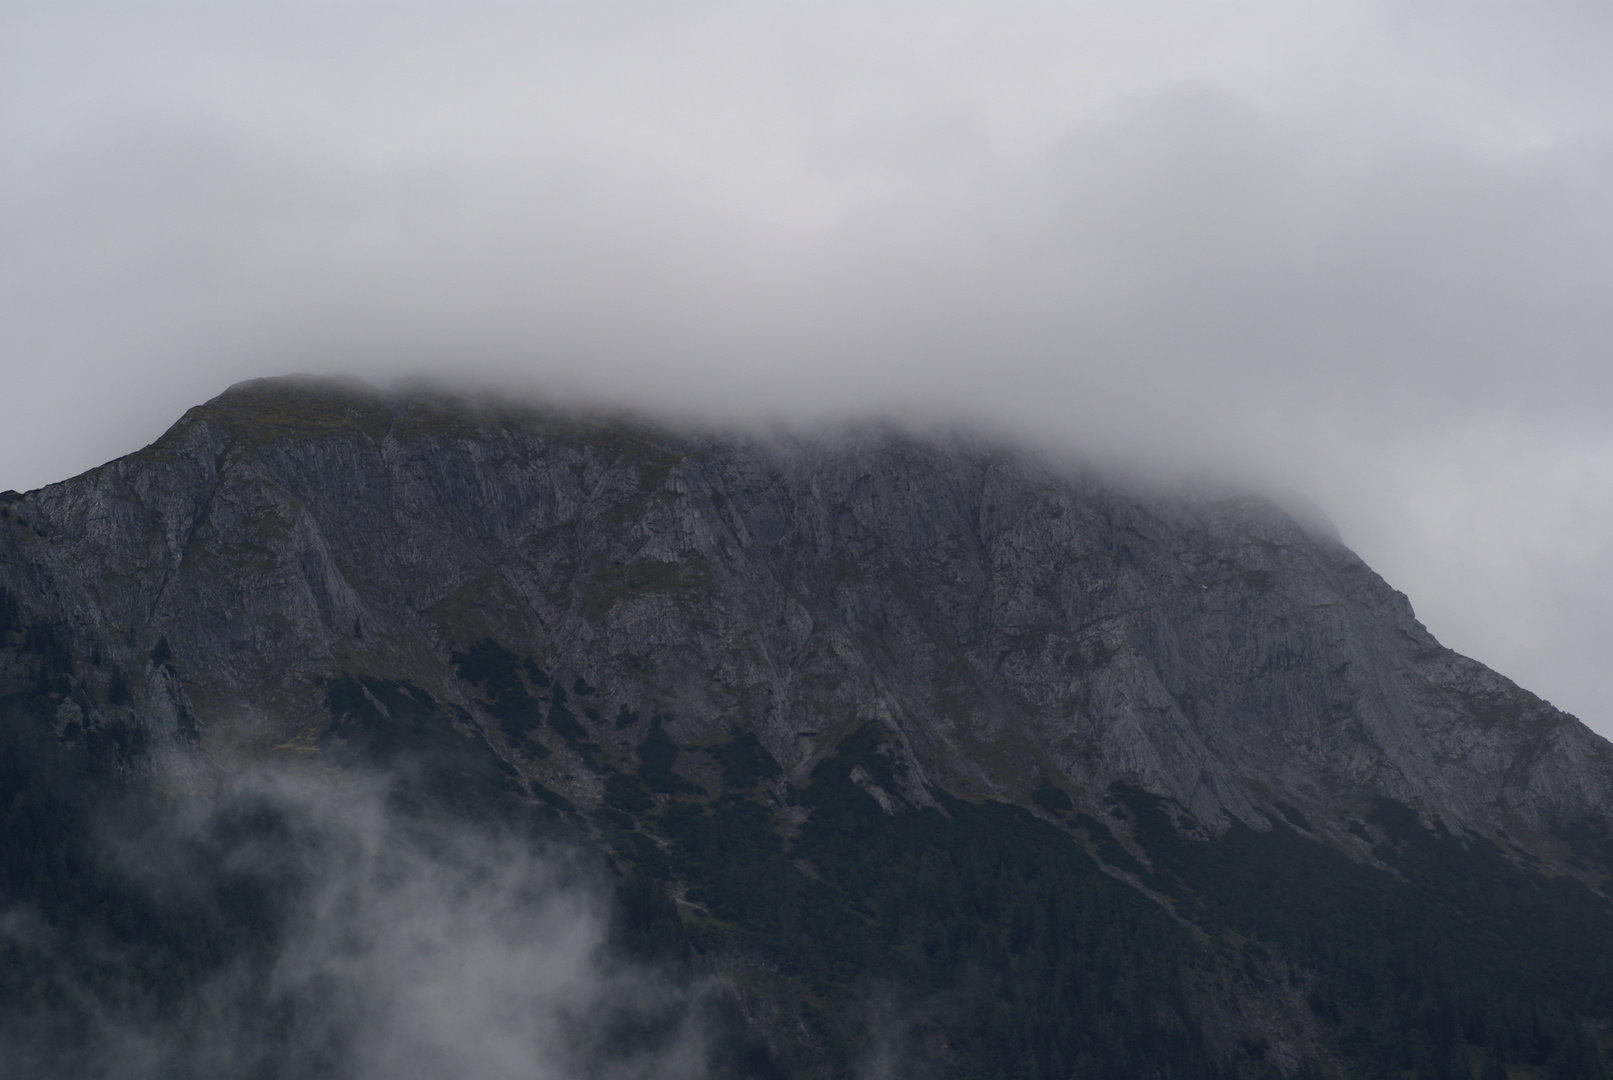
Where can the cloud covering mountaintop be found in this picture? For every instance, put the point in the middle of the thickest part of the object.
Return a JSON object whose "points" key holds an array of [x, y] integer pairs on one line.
{"points": [[1358, 252]]}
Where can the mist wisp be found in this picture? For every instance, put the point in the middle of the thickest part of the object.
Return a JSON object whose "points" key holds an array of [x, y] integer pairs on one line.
{"points": [[364, 943]]}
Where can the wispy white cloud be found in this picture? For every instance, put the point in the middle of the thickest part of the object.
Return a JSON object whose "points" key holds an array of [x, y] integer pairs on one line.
{"points": [[384, 946]]}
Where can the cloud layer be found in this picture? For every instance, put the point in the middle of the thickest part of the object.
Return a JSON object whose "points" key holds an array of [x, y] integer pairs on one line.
{"points": [[399, 947], [1359, 251]]}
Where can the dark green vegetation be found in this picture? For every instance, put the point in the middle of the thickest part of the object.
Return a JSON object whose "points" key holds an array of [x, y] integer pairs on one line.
{"points": [[966, 939], [85, 939], [1014, 955], [649, 659], [1454, 950], [399, 727], [121, 910], [1018, 957]]}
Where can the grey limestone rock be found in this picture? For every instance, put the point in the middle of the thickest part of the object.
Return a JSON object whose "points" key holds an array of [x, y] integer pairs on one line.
{"points": [[1009, 622]]}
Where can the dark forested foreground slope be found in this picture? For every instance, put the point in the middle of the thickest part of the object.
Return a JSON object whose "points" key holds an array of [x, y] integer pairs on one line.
{"points": [[356, 735]]}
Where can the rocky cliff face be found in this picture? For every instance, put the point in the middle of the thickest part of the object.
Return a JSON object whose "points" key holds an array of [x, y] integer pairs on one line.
{"points": [[1012, 627], [1067, 780]]}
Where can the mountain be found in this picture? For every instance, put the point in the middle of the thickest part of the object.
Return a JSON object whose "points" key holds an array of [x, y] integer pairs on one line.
{"points": [[944, 759]]}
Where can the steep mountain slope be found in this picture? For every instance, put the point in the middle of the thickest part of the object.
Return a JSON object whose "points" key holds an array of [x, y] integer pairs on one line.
{"points": [[791, 680]]}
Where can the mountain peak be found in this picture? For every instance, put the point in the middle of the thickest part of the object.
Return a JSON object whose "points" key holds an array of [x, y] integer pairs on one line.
{"points": [[947, 690], [1006, 622]]}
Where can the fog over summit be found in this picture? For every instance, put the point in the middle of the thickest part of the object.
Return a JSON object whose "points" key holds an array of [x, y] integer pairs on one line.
{"points": [[1360, 252]]}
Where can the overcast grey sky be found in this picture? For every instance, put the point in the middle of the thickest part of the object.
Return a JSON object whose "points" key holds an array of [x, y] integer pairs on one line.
{"points": [[1358, 251]]}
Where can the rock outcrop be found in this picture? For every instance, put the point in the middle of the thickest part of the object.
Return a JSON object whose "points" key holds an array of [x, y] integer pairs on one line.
{"points": [[1010, 624]]}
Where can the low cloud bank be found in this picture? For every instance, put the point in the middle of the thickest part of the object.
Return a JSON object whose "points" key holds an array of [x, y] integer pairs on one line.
{"points": [[364, 944]]}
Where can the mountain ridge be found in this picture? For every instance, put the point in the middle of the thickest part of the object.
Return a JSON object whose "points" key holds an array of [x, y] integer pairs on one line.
{"points": [[805, 692], [667, 501]]}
